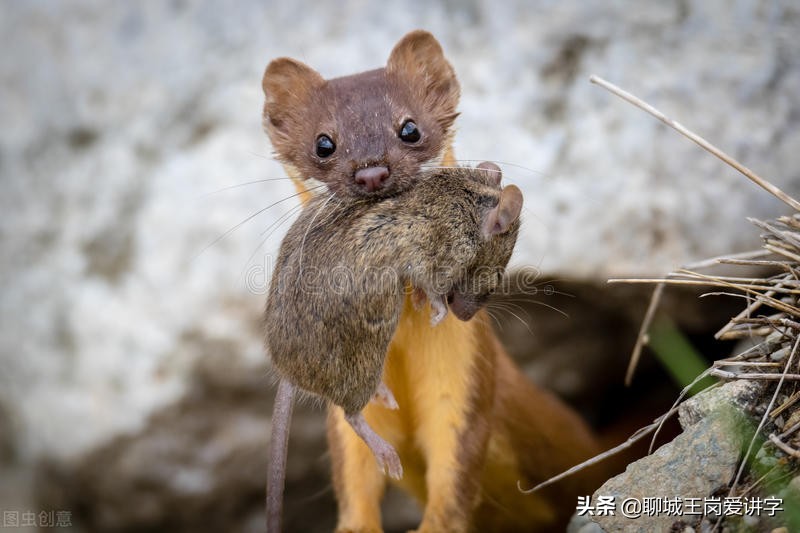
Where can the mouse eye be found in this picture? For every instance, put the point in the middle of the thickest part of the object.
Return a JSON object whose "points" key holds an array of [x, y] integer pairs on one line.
{"points": [[409, 133], [325, 146]]}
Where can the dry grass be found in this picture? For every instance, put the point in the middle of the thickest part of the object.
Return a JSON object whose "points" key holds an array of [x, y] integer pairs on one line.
{"points": [[770, 320]]}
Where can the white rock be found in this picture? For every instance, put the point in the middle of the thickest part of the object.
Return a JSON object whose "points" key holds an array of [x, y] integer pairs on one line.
{"points": [[119, 118]]}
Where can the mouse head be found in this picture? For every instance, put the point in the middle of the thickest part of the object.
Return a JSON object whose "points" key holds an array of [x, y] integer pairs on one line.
{"points": [[365, 135], [499, 229]]}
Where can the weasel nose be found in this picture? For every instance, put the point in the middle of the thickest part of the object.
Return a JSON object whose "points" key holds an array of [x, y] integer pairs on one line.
{"points": [[372, 178]]}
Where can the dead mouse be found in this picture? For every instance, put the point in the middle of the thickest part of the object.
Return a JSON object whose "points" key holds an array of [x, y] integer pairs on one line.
{"points": [[340, 280]]}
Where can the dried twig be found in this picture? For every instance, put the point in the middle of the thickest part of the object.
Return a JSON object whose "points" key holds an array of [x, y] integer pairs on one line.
{"points": [[794, 427], [752, 176], [763, 419], [783, 407], [642, 338], [677, 402], [780, 323], [716, 372], [788, 450], [746, 312], [633, 439]]}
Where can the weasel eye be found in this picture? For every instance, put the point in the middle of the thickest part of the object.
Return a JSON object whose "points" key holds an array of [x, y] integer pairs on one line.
{"points": [[409, 133], [325, 146]]}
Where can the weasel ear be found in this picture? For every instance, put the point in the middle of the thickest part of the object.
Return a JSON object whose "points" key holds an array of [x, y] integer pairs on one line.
{"points": [[419, 58], [500, 219], [287, 83]]}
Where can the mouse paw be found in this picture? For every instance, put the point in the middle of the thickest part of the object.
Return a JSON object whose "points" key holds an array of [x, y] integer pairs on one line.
{"points": [[388, 460], [383, 396], [438, 309], [385, 454]]}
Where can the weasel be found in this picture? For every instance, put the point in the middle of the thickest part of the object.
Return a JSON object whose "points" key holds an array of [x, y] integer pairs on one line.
{"points": [[337, 290], [469, 425]]}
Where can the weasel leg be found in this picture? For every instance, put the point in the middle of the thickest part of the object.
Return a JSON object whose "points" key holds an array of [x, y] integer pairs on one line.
{"points": [[387, 457], [383, 396], [453, 429]]}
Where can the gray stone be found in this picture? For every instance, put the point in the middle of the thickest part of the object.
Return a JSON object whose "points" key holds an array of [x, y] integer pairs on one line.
{"points": [[697, 463], [583, 524], [741, 394]]}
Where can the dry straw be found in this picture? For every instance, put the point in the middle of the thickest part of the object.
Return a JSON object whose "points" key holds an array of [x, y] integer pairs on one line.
{"points": [[771, 315]]}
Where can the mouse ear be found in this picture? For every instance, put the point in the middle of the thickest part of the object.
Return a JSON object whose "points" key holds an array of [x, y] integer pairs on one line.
{"points": [[419, 59], [500, 219], [287, 84], [492, 171]]}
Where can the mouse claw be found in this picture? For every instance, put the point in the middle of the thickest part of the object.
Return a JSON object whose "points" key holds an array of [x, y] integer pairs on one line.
{"points": [[385, 454], [438, 309], [383, 396], [390, 464]]}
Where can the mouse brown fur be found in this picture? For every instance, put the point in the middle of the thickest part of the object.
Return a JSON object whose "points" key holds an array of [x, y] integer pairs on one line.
{"points": [[340, 278]]}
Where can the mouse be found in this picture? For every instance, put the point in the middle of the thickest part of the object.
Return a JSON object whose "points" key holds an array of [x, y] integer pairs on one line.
{"points": [[341, 277]]}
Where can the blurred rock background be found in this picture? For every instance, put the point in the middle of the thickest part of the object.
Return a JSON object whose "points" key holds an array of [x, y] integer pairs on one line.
{"points": [[133, 387]]}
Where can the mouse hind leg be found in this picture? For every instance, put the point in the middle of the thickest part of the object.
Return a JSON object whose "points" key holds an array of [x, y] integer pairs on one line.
{"points": [[358, 485], [385, 454]]}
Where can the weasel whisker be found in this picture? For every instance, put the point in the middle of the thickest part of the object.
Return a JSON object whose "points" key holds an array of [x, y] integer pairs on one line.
{"points": [[274, 227], [243, 184], [512, 313], [507, 164], [496, 320], [249, 218], [308, 228]]}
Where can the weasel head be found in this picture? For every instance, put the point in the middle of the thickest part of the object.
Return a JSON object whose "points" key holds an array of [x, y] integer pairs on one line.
{"points": [[368, 134]]}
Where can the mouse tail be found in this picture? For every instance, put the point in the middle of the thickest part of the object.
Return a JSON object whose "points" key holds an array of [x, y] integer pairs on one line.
{"points": [[278, 448]]}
